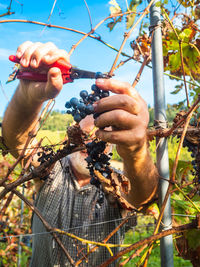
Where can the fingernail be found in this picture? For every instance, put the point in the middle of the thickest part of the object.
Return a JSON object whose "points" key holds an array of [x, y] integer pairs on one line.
{"points": [[100, 81], [23, 62], [19, 54], [33, 62]]}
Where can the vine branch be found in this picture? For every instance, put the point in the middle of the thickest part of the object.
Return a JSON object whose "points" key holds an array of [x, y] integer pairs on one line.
{"points": [[127, 35], [174, 230]]}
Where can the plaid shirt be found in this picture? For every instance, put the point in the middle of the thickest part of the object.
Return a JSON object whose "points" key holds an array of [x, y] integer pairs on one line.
{"points": [[67, 206]]}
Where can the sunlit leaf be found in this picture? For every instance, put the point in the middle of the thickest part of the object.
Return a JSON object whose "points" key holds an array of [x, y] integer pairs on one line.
{"points": [[185, 35], [114, 8], [153, 210], [131, 17], [186, 3]]}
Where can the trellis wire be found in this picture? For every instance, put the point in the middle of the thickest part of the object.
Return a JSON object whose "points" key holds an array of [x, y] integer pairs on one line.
{"points": [[94, 224]]}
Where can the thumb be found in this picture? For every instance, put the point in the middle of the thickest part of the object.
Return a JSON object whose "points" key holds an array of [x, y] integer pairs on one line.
{"points": [[54, 83]]}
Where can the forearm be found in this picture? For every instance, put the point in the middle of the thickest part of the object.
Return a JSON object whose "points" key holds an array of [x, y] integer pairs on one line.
{"points": [[20, 117], [143, 175]]}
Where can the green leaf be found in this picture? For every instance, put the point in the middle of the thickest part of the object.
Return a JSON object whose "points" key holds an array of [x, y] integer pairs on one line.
{"points": [[131, 17], [158, 3], [175, 61], [185, 35], [176, 91], [134, 2], [112, 24], [193, 237]]}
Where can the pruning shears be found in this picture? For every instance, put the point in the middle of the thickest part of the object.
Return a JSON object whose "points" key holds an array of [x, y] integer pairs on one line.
{"points": [[69, 73]]}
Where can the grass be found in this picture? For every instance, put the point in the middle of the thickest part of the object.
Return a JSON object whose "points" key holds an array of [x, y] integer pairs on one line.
{"points": [[51, 137], [143, 230]]}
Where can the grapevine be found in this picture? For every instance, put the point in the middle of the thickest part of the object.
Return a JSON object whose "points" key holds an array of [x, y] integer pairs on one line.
{"points": [[181, 45]]}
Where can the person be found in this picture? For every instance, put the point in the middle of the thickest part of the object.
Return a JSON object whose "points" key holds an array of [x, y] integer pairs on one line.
{"points": [[67, 199]]}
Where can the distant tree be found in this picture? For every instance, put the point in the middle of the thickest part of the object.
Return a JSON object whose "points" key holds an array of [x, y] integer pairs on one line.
{"points": [[57, 121]]}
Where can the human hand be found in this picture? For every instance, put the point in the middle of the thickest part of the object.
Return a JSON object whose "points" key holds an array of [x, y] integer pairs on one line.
{"points": [[38, 57], [128, 115]]}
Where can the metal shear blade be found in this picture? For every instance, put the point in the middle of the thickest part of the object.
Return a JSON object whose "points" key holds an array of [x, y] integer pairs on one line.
{"points": [[81, 74]]}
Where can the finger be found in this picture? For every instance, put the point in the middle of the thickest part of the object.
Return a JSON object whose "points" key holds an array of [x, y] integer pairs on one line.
{"points": [[21, 49], [123, 102], [53, 56], [117, 87], [40, 52], [123, 137], [25, 59], [54, 83], [116, 118]]}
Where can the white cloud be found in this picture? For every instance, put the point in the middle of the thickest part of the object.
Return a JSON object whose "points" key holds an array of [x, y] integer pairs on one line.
{"points": [[5, 53]]}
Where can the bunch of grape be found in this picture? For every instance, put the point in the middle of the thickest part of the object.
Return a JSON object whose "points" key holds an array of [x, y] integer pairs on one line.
{"points": [[80, 108], [98, 160], [195, 153], [45, 155]]}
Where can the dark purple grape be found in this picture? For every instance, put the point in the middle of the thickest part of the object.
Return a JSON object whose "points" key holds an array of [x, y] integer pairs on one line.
{"points": [[104, 158], [77, 117], [94, 87], [91, 97], [83, 94], [105, 94], [73, 112], [97, 166], [98, 75], [74, 101], [94, 181], [96, 98], [89, 145], [83, 114], [81, 106], [101, 198], [89, 109], [68, 105], [88, 159]]}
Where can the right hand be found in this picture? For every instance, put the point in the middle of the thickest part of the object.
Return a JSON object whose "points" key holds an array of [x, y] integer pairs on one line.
{"points": [[37, 57]]}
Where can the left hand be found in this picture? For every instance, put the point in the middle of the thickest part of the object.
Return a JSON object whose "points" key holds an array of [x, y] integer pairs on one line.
{"points": [[128, 115]]}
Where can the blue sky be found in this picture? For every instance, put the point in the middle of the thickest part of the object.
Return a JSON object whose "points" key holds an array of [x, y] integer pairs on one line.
{"points": [[90, 55]]}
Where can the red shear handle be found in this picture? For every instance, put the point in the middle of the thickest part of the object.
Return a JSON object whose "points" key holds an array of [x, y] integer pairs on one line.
{"points": [[64, 67]]}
